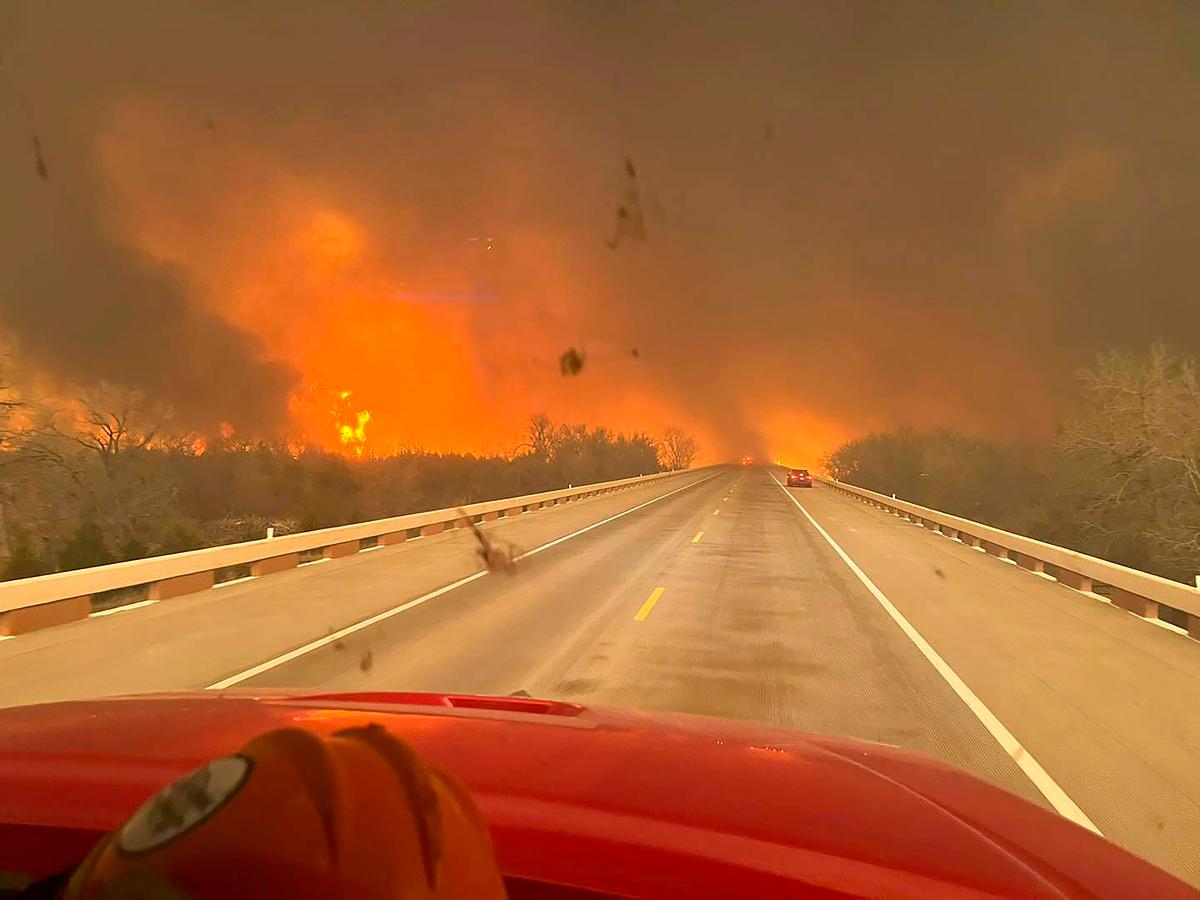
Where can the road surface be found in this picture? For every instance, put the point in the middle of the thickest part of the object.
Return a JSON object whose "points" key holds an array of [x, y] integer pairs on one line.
{"points": [[720, 593]]}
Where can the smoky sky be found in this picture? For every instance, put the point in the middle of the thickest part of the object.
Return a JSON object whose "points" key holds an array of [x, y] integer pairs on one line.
{"points": [[83, 303], [892, 214]]}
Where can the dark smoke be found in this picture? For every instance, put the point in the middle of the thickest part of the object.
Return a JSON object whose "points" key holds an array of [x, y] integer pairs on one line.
{"points": [[93, 310], [89, 308]]}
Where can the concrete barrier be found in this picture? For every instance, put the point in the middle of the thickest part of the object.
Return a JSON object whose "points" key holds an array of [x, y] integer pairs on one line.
{"points": [[273, 564], [32, 603], [338, 550], [1138, 592], [44, 615], [166, 588]]}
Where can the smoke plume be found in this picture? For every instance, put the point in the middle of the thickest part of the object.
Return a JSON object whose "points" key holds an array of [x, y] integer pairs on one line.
{"points": [[808, 220]]}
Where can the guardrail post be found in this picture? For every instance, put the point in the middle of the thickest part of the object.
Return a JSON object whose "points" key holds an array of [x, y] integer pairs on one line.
{"points": [[336, 551], [182, 584], [394, 537], [274, 564], [1138, 605], [1074, 580], [1193, 626], [1028, 562], [44, 615], [995, 550]]}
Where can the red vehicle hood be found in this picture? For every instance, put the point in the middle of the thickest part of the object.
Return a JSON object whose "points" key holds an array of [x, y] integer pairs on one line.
{"points": [[624, 803]]}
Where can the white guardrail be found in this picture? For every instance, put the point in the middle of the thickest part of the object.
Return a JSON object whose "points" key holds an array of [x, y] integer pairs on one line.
{"points": [[1139, 592], [29, 604]]}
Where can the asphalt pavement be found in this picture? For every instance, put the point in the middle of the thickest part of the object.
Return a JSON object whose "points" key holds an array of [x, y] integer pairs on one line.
{"points": [[713, 593]]}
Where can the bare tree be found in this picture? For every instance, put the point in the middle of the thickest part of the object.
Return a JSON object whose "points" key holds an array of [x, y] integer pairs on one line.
{"points": [[1131, 461], [103, 444], [116, 420], [677, 449], [540, 436], [10, 402]]}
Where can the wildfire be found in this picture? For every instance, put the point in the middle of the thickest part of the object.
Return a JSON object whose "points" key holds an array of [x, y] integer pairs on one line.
{"points": [[312, 278], [354, 437]]}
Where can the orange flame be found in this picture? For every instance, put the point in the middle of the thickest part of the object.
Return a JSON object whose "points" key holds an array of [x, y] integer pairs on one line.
{"points": [[355, 436], [348, 296]]}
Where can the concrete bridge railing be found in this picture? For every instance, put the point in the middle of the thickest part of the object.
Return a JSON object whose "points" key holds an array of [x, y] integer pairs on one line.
{"points": [[29, 604], [1149, 596]]}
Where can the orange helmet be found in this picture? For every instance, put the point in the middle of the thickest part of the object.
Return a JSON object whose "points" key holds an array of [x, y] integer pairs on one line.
{"points": [[297, 815]]}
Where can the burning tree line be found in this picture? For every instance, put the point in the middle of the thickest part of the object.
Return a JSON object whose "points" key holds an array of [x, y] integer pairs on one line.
{"points": [[111, 480], [1120, 480]]}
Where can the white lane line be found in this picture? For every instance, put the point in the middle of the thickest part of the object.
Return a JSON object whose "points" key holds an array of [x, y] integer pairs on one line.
{"points": [[588, 528], [1031, 767], [233, 581], [1161, 624], [116, 609], [424, 598]]}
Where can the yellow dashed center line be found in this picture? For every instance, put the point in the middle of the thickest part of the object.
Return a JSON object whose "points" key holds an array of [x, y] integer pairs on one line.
{"points": [[696, 539], [716, 512], [649, 604]]}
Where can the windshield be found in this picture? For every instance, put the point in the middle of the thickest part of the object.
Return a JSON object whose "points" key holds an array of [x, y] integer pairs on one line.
{"points": [[453, 347]]}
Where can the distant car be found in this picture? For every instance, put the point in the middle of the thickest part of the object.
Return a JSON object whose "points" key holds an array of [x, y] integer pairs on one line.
{"points": [[747, 460], [799, 478]]}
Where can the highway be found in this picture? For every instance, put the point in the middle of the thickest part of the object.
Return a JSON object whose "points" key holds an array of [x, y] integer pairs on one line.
{"points": [[719, 592]]}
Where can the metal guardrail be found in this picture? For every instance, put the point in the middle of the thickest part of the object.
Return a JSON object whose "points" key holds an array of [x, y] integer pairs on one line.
{"points": [[1139, 592], [29, 604]]}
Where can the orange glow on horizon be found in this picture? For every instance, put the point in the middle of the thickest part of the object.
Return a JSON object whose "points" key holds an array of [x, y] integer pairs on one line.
{"points": [[802, 440]]}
